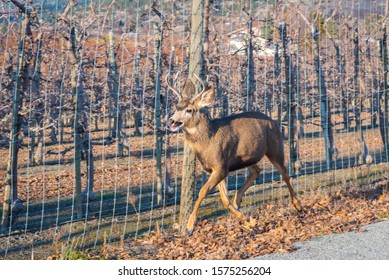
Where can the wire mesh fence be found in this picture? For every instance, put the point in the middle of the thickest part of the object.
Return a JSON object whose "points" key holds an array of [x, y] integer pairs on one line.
{"points": [[84, 136]]}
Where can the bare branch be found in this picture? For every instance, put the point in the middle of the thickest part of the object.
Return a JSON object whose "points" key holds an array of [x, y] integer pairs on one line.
{"points": [[157, 12], [22, 6], [304, 18], [386, 12], [71, 4]]}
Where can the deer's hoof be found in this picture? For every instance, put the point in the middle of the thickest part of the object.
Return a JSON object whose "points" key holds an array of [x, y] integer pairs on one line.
{"points": [[189, 232], [300, 209], [190, 225], [297, 205], [250, 223]]}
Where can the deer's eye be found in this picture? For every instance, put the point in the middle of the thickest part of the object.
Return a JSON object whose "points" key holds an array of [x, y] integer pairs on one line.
{"points": [[189, 111]]}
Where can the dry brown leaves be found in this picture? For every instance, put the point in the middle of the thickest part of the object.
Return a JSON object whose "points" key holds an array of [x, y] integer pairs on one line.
{"points": [[276, 229]]}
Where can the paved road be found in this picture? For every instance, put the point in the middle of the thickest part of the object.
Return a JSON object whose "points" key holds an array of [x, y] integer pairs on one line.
{"points": [[372, 243]]}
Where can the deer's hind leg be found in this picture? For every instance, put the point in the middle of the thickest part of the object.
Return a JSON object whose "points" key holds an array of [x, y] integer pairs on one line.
{"points": [[281, 168], [222, 186], [254, 173]]}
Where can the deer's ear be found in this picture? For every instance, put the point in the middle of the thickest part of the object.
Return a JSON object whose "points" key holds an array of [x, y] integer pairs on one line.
{"points": [[206, 98], [189, 89]]}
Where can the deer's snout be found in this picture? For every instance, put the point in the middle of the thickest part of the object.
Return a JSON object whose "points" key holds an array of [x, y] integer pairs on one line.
{"points": [[174, 124]]}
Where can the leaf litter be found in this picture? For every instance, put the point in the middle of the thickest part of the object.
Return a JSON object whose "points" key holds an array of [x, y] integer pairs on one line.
{"points": [[274, 228]]}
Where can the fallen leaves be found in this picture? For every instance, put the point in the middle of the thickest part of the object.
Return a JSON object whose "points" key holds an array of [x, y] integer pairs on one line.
{"points": [[272, 229], [275, 228]]}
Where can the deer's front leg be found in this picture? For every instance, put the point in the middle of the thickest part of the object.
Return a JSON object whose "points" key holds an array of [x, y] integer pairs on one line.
{"points": [[212, 182]]}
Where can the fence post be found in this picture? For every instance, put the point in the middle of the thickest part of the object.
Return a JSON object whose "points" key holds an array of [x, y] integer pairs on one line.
{"points": [[196, 59]]}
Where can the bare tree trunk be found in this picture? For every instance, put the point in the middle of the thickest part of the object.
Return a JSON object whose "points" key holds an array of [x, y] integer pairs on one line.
{"points": [[357, 97], [21, 85], [218, 86], [88, 193], [78, 105], [291, 112], [38, 155], [341, 84], [250, 71], [114, 87], [158, 35], [35, 93], [61, 121], [136, 113], [277, 97], [325, 110], [357, 81], [80, 122], [54, 118], [383, 118], [31, 161], [168, 160], [300, 123], [195, 66], [78, 102], [206, 36], [11, 180]]}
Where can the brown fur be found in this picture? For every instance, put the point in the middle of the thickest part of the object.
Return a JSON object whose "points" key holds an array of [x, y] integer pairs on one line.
{"points": [[228, 144]]}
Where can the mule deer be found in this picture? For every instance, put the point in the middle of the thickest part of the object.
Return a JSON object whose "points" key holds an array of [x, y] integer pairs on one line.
{"points": [[227, 144]]}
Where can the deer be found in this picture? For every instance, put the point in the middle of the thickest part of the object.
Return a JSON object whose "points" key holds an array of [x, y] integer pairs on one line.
{"points": [[226, 144]]}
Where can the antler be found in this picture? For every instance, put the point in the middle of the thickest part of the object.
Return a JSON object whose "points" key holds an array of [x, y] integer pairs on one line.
{"points": [[171, 87], [202, 85]]}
